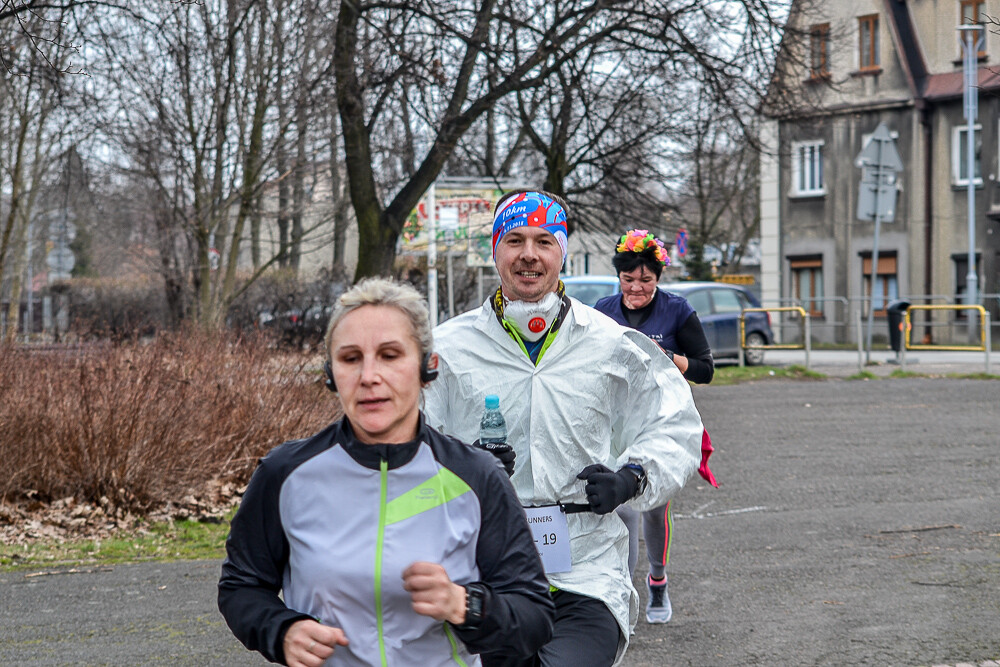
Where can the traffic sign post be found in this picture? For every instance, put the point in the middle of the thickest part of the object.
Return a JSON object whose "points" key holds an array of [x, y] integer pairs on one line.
{"points": [[879, 161]]}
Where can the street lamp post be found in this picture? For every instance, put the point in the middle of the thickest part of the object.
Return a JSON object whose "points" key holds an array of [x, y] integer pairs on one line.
{"points": [[972, 42], [432, 272]]}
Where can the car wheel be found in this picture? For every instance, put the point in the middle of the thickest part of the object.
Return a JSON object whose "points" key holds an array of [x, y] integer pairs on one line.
{"points": [[754, 357]]}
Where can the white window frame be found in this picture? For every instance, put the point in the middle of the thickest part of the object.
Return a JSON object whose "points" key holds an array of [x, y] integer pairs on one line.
{"points": [[957, 142], [810, 189]]}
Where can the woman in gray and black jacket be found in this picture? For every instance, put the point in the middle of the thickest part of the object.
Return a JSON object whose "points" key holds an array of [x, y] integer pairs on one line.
{"points": [[390, 543]]}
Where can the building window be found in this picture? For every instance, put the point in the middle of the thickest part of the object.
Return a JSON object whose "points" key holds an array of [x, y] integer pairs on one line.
{"points": [[807, 283], [972, 14], [960, 152], [819, 51], [807, 168], [886, 285], [868, 51]]}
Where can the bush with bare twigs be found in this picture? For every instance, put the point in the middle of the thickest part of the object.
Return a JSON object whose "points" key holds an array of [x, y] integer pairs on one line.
{"points": [[132, 427], [119, 310]]}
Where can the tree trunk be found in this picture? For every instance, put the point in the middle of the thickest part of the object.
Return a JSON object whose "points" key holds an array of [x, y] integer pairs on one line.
{"points": [[14, 307], [299, 202], [281, 154], [255, 219], [338, 196], [379, 229], [409, 147], [7, 236], [376, 250], [252, 165]]}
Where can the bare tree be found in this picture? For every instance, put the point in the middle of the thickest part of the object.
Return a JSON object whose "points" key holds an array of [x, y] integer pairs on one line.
{"points": [[36, 117], [212, 110], [464, 58], [609, 129], [43, 26], [716, 201], [601, 126]]}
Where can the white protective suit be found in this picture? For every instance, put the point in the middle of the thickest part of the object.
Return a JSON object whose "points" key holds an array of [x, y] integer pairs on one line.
{"points": [[602, 393]]}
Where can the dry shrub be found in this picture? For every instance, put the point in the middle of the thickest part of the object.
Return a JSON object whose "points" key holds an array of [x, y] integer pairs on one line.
{"points": [[134, 426], [116, 309]]}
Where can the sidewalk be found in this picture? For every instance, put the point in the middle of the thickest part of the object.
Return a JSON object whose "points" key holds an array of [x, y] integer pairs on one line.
{"points": [[845, 363]]}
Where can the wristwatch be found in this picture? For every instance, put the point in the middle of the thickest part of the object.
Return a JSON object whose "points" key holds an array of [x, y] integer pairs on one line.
{"points": [[669, 353], [475, 605], [640, 477]]}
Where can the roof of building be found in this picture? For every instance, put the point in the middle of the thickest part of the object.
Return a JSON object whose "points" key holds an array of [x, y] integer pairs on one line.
{"points": [[951, 84]]}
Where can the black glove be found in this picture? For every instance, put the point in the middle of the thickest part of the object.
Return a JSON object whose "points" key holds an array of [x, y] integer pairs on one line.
{"points": [[607, 490], [505, 454]]}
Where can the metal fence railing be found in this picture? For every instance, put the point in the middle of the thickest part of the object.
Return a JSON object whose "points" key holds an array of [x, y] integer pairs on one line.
{"points": [[806, 343], [985, 333], [835, 320]]}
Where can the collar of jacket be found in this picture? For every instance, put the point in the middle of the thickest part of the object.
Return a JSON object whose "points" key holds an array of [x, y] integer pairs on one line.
{"points": [[498, 303], [370, 456]]}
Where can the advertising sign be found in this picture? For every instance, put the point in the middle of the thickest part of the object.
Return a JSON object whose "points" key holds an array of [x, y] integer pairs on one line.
{"points": [[465, 212]]}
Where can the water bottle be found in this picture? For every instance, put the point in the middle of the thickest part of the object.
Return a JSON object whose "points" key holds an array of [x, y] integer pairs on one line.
{"points": [[492, 427]]}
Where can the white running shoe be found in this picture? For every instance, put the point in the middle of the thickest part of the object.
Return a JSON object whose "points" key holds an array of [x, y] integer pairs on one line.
{"points": [[658, 608]]}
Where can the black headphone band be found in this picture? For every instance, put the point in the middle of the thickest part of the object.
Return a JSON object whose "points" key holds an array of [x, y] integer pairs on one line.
{"points": [[330, 384], [427, 371]]}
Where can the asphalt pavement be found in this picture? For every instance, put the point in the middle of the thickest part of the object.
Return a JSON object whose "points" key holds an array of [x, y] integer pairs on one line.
{"points": [[857, 523]]}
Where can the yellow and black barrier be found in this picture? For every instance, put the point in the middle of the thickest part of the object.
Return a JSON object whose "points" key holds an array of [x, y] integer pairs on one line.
{"points": [[984, 332], [806, 335]]}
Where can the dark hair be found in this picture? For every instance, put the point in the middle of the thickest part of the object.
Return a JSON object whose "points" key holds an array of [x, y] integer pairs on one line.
{"points": [[630, 261], [513, 193]]}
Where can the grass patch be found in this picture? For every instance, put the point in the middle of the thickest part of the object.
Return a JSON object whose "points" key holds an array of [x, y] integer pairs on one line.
{"points": [[727, 375], [175, 540], [863, 375], [974, 376], [907, 374]]}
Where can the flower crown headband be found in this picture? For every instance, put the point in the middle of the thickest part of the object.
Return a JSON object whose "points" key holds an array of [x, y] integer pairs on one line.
{"points": [[640, 240]]}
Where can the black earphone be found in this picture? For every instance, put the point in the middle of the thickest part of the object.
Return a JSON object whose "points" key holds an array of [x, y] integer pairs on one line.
{"points": [[428, 371]]}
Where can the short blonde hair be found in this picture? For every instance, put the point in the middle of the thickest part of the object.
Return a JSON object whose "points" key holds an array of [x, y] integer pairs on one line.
{"points": [[386, 292]]}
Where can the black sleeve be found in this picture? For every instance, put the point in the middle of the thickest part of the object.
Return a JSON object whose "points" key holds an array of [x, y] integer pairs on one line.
{"points": [[256, 555], [691, 342], [518, 610]]}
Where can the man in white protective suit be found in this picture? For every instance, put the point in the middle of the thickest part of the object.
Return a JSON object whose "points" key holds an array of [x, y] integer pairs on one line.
{"points": [[596, 414]]}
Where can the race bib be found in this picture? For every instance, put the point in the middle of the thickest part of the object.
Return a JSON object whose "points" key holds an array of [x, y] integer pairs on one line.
{"points": [[551, 534]]}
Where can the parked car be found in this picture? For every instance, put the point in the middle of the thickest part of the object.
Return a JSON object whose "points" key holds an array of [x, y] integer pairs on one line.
{"points": [[718, 306], [297, 327], [590, 289]]}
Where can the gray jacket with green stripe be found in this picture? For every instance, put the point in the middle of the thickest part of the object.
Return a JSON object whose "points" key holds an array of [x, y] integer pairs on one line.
{"points": [[332, 523]]}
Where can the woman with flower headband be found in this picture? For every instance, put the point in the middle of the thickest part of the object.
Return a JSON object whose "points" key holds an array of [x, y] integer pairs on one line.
{"points": [[671, 322]]}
